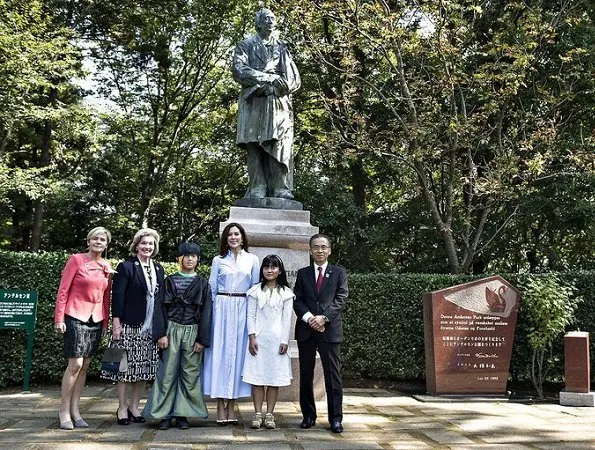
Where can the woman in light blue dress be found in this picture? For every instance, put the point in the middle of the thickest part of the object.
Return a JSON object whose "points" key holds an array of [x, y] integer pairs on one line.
{"points": [[233, 272]]}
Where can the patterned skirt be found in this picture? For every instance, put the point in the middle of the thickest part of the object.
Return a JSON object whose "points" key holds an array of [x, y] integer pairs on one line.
{"points": [[142, 356], [81, 339]]}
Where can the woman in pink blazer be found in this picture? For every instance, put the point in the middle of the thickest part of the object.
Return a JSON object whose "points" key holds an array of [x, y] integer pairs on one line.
{"points": [[81, 315]]}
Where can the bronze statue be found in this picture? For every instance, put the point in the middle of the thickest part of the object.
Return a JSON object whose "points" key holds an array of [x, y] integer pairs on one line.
{"points": [[264, 67]]}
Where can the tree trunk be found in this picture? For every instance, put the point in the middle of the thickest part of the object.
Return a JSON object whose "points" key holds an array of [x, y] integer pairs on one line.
{"points": [[442, 226], [5, 133], [44, 160], [37, 225], [359, 183]]}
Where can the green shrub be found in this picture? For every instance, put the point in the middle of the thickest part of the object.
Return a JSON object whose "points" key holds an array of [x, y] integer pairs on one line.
{"points": [[40, 272], [383, 321], [550, 308]]}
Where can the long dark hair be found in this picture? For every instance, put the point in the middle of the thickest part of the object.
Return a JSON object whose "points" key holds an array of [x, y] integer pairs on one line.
{"points": [[224, 247], [273, 261]]}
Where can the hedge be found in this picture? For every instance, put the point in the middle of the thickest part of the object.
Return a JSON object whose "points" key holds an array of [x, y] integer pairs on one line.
{"points": [[40, 272], [383, 321]]}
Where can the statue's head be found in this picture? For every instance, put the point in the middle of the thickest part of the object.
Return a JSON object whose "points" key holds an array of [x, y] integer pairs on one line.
{"points": [[265, 20]]}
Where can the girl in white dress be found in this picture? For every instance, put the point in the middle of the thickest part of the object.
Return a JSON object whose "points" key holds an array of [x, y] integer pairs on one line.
{"points": [[267, 365]]}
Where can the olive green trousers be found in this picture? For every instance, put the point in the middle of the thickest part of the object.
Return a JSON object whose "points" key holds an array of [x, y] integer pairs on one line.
{"points": [[177, 390]]}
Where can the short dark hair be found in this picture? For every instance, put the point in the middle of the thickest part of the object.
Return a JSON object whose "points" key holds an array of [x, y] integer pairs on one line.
{"points": [[224, 247], [318, 236], [274, 261], [188, 248]]}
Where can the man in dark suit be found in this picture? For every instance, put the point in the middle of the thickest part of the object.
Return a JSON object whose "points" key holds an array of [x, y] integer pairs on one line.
{"points": [[320, 294]]}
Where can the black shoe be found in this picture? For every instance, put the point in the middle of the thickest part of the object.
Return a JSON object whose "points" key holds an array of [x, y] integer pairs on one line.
{"points": [[182, 423], [165, 424], [135, 419], [125, 421], [336, 427], [308, 422]]}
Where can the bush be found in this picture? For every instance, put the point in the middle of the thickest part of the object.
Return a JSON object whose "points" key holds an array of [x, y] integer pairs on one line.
{"points": [[550, 310], [383, 321], [39, 272]]}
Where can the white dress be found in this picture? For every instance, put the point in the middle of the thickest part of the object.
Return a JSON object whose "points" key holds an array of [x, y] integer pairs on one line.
{"points": [[224, 359], [269, 318]]}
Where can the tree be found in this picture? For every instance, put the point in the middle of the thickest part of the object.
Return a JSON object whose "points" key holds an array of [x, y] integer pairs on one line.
{"points": [[37, 102], [479, 100], [550, 308], [164, 67]]}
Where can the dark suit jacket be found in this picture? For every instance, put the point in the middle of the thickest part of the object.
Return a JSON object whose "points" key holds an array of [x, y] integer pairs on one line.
{"points": [[129, 291], [329, 302]]}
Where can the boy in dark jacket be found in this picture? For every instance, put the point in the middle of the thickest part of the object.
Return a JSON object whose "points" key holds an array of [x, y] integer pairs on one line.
{"points": [[182, 329]]}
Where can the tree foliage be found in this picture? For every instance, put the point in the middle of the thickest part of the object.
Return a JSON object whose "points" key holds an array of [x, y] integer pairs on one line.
{"points": [[449, 136], [168, 157], [480, 101], [44, 132], [550, 308]]}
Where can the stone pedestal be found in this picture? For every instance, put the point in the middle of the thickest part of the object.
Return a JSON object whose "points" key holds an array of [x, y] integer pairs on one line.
{"points": [[577, 371], [285, 233], [577, 367], [577, 399]]}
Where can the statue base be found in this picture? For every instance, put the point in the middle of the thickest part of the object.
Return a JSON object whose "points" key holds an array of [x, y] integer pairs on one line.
{"points": [[286, 233], [268, 203]]}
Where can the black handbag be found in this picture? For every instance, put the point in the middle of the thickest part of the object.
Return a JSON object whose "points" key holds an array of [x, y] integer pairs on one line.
{"points": [[114, 360]]}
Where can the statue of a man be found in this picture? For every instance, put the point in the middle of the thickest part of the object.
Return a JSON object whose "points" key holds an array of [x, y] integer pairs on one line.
{"points": [[264, 67]]}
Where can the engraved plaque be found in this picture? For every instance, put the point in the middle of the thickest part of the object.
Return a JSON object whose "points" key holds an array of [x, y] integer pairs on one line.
{"points": [[468, 336]]}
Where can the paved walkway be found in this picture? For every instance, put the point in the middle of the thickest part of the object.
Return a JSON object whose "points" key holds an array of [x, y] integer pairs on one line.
{"points": [[374, 419]]}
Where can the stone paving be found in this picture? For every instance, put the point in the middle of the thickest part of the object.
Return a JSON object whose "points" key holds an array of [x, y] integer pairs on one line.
{"points": [[374, 419]]}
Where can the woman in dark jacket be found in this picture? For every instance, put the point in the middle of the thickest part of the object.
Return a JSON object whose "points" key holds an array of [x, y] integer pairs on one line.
{"points": [[136, 289]]}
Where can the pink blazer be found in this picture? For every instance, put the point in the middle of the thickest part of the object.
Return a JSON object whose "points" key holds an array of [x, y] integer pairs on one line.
{"points": [[84, 291]]}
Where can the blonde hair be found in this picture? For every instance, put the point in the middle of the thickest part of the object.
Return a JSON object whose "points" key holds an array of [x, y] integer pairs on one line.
{"points": [[141, 234], [97, 231]]}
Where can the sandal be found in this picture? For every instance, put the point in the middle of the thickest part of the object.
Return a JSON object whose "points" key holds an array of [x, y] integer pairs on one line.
{"points": [[231, 414], [221, 414]]}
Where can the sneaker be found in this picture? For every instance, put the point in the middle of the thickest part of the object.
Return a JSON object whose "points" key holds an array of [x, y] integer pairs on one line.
{"points": [[269, 421], [256, 421]]}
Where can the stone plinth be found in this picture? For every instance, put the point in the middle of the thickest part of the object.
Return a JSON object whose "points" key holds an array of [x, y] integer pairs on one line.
{"points": [[468, 336], [577, 399], [285, 233], [577, 371], [268, 202], [577, 367]]}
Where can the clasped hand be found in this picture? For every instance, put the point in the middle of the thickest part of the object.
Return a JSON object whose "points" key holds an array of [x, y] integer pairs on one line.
{"points": [[317, 323]]}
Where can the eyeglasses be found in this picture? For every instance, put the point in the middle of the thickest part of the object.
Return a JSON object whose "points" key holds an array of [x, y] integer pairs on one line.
{"points": [[324, 248]]}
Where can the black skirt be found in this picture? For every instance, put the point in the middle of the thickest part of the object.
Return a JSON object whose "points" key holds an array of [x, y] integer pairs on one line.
{"points": [[81, 339]]}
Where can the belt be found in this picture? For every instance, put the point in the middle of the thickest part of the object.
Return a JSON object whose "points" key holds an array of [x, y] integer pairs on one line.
{"points": [[231, 294]]}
